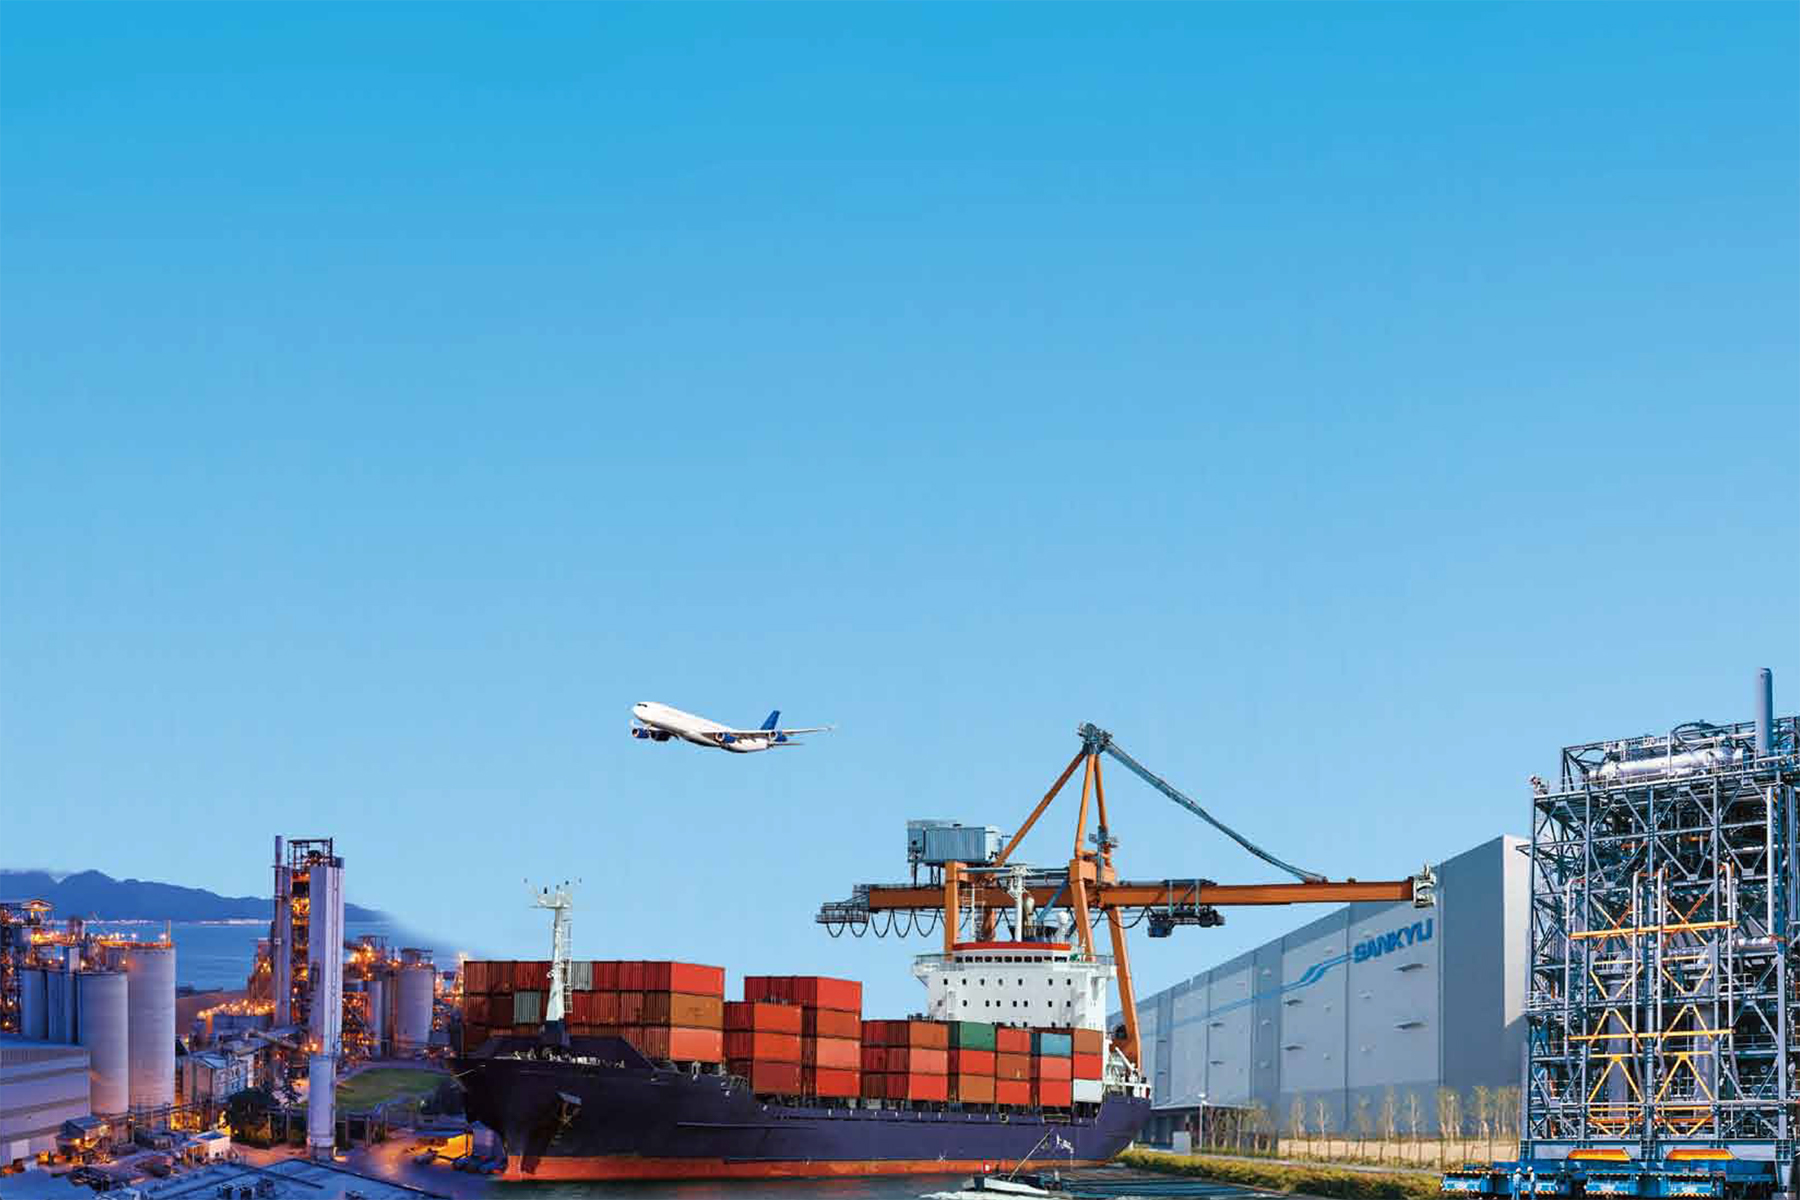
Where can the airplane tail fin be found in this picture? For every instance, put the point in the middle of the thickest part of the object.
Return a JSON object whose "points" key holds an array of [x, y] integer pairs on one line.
{"points": [[770, 722]]}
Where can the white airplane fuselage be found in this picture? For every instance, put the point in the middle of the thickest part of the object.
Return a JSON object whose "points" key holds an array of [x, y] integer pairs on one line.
{"points": [[661, 722]]}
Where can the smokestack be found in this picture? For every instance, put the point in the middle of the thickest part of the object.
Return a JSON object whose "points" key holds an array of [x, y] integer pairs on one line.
{"points": [[1765, 713]]}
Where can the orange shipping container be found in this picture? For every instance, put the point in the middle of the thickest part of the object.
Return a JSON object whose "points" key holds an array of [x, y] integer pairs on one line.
{"points": [[776, 1018], [927, 1035], [695, 979], [829, 1082], [1009, 1039], [829, 1023], [684, 1008], [841, 1053], [1014, 1067], [896, 1086], [1053, 1093], [678, 1043], [972, 1089], [911, 1059], [972, 1062], [780, 1078], [1012, 1091], [1088, 1041], [1087, 1066], [1052, 1068], [822, 991], [763, 1047]]}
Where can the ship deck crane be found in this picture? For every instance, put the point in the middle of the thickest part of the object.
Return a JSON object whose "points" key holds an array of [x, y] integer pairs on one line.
{"points": [[1091, 884]]}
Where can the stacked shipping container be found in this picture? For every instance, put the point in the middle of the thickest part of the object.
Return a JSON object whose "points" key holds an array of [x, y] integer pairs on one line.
{"points": [[906, 1060], [791, 1035], [830, 1028], [668, 1010]]}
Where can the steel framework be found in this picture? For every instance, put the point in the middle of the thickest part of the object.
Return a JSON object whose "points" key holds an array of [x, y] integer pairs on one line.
{"points": [[1661, 1004]]}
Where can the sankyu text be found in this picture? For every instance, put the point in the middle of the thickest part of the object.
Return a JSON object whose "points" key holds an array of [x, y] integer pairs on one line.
{"points": [[1397, 939]]}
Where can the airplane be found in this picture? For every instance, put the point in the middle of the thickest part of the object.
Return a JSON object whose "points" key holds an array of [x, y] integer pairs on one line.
{"points": [[659, 723]]}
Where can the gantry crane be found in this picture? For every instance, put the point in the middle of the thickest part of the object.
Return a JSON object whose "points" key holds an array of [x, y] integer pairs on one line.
{"points": [[1091, 884]]}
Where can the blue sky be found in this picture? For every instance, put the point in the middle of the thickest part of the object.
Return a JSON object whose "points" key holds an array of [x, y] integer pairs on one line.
{"points": [[1346, 405]]}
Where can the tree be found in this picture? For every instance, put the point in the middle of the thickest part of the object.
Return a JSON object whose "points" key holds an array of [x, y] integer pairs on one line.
{"points": [[247, 1114], [1297, 1118], [1449, 1114], [1415, 1114], [1322, 1118], [1259, 1116], [1483, 1106], [1364, 1126], [1390, 1117]]}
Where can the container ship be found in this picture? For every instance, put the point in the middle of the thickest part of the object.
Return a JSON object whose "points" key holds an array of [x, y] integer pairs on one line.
{"points": [[629, 1070]]}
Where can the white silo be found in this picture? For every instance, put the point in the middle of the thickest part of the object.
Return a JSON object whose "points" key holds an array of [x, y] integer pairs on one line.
{"points": [[34, 1003], [59, 1006], [150, 1023], [102, 1027], [321, 1105], [325, 948], [412, 1009]]}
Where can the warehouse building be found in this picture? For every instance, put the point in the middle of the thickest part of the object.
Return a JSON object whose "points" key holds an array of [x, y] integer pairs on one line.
{"points": [[42, 1085], [1364, 999]]}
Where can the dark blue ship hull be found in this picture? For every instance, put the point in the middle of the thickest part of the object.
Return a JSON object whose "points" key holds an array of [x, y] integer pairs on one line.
{"points": [[596, 1109]]}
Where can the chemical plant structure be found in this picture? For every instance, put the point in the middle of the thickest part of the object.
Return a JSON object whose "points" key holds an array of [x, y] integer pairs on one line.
{"points": [[1049, 951], [1662, 1013], [66, 984]]}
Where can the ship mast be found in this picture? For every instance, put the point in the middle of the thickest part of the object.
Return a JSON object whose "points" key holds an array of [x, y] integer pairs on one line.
{"points": [[559, 902]]}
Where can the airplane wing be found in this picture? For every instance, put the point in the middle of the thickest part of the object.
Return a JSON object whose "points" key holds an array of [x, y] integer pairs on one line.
{"points": [[769, 733]]}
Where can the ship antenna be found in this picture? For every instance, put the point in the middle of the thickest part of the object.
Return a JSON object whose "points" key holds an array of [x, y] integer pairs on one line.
{"points": [[559, 902]]}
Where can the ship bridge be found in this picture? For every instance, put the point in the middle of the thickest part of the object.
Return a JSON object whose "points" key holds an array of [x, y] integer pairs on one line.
{"points": [[1016, 983]]}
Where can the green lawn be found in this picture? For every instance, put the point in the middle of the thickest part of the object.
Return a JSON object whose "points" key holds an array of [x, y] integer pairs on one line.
{"points": [[380, 1084]]}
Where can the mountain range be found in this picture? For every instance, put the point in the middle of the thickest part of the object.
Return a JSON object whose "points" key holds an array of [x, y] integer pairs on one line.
{"points": [[93, 894]]}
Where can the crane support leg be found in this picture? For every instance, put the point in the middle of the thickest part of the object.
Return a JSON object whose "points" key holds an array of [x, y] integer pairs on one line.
{"points": [[1127, 996], [952, 914], [1080, 870]]}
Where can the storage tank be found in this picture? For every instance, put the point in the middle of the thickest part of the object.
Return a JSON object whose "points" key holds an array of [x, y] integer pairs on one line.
{"points": [[34, 1003], [378, 1022], [412, 1009], [101, 1025], [321, 1106], [150, 1023], [59, 1007]]}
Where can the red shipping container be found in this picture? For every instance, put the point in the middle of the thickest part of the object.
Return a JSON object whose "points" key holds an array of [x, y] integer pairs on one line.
{"points": [[531, 976], [896, 1086], [910, 1059], [1009, 1039], [829, 1023], [972, 1089], [763, 1047], [582, 1006], [631, 1008], [606, 975], [776, 1018], [1053, 1093], [475, 978], [972, 1062], [1012, 1067], [830, 1082], [927, 1035], [768, 988], [821, 991], [500, 977], [1012, 1091], [780, 1078], [840, 1053], [631, 975], [679, 1043], [1087, 1066], [1088, 1041], [684, 1008], [1061, 1069], [695, 979]]}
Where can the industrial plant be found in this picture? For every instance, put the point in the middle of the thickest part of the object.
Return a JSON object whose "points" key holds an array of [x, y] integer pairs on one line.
{"points": [[91, 1056]]}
